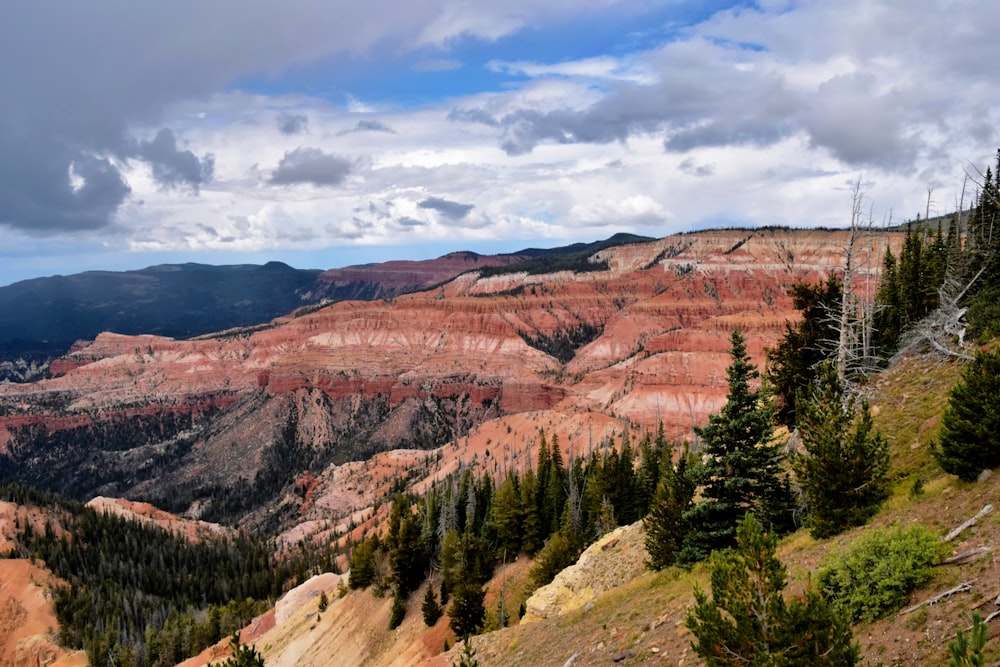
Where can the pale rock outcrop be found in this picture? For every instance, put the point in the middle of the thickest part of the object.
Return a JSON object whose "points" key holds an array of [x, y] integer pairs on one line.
{"points": [[611, 561]]}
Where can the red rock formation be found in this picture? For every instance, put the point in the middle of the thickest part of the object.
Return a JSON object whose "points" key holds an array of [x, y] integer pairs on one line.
{"points": [[423, 368]]}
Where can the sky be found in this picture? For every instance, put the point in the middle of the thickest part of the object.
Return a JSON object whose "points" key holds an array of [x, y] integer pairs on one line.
{"points": [[332, 133]]}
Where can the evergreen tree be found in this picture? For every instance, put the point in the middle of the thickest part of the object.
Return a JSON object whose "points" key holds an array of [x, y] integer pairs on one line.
{"points": [[244, 655], [665, 527], [397, 612], [431, 609], [506, 516], [747, 622], [467, 611], [532, 538], [970, 435], [363, 563], [652, 453], [844, 472], [888, 323], [790, 366], [743, 467]]}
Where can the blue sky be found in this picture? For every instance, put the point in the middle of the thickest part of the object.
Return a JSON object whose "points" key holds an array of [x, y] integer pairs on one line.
{"points": [[330, 133]]}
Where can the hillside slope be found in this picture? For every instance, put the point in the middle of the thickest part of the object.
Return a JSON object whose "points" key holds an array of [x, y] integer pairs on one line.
{"points": [[641, 621]]}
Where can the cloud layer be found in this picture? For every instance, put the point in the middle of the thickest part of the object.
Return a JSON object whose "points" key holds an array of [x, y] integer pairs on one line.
{"points": [[193, 126]]}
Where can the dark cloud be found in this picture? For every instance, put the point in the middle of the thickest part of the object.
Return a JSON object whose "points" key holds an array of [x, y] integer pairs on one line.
{"points": [[473, 116], [406, 222], [368, 126], [173, 168], [449, 209], [292, 123], [523, 130], [872, 134], [47, 186], [311, 165], [79, 77]]}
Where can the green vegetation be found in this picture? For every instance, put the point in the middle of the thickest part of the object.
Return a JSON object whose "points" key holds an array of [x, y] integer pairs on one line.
{"points": [[874, 575], [844, 471], [747, 620], [431, 609], [138, 595], [664, 524], [563, 343], [742, 468], [243, 655], [968, 651], [791, 364], [970, 436]]}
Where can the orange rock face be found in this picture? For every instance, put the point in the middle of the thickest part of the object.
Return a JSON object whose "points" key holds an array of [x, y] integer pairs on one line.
{"points": [[645, 340]]}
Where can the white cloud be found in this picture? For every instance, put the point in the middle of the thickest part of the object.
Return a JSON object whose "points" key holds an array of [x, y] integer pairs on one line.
{"points": [[760, 115]]}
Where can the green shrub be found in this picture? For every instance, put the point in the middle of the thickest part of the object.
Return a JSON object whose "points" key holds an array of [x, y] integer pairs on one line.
{"points": [[560, 551], [875, 574]]}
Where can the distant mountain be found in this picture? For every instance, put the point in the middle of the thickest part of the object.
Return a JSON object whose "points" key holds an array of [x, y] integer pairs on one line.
{"points": [[45, 316], [42, 318]]}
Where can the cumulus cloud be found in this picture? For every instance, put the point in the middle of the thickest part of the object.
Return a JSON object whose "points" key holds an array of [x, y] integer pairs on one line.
{"points": [[171, 167], [449, 209], [779, 104], [310, 165], [109, 68]]}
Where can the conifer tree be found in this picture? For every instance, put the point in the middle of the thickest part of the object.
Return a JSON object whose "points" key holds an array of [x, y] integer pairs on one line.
{"points": [[532, 538], [506, 516], [790, 366], [431, 609], [743, 467], [844, 471], [665, 527], [970, 435], [747, 621]]}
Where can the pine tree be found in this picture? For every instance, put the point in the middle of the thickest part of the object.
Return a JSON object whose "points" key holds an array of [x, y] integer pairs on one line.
{"points": [[397, 612], [665, 527], [743, 468], [790, 366], [888, 310], [431, 609], [747, 621], [467, 611], [244, 655], [970, 436], [532, 538], [844, 472], [506, 516]]}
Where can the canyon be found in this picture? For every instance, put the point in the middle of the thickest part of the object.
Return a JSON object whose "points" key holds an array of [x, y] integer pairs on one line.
{"points": [[225, 426]]}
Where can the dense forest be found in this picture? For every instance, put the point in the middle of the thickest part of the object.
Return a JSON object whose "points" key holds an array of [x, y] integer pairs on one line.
{"points": [[139, 595]]}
